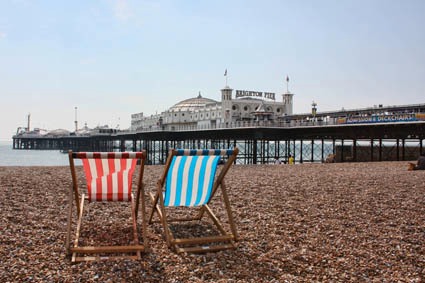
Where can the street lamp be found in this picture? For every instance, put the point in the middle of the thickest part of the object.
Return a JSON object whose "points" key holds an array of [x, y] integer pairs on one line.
{"points": [[314, 110], [76, 121]]}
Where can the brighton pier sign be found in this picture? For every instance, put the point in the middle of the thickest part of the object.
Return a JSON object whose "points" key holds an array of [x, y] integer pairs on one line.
{"points": [[244, 93]]}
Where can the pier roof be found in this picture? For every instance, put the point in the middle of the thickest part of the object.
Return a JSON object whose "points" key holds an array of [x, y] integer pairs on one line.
{"points": [[192, 104]]}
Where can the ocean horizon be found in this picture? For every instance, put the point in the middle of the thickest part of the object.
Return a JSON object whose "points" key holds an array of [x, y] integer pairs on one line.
{"points": [[21, 157]]}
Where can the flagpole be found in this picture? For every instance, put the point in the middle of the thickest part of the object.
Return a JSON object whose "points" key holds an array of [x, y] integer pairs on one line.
{"points": [[287, 84], [225, 74]]}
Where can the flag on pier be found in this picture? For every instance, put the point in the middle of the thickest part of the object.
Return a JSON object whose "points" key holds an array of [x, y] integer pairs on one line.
{"points": [[225, 72]]}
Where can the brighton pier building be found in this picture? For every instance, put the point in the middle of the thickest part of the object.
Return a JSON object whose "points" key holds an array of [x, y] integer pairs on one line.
{"points": [[239, 108]]}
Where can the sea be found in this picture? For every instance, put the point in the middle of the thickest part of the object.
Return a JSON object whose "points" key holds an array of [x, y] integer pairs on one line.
{"points": [[21, 157], [14, 157]]}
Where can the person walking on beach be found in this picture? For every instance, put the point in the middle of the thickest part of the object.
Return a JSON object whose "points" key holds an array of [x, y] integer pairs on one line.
{"points": [[420, 165], [291, 159]]}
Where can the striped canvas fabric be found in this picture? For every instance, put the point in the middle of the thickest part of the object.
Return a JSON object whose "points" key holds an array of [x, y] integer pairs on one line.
{"points": [[191, 176], [109, 175], [204, 151]]}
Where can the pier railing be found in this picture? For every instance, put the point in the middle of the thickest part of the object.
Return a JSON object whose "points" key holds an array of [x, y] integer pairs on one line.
{"points": [[237, 124]]}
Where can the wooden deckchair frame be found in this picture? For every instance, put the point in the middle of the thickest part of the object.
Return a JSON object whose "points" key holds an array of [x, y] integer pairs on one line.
{"points": [[132, 251], [196, 244]]}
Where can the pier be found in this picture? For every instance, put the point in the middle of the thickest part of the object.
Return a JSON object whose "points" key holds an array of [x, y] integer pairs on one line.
{"points": [[389, 141]]}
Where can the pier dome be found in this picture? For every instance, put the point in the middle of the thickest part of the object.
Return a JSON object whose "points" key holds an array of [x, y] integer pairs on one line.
{"points": [[192, 104]]}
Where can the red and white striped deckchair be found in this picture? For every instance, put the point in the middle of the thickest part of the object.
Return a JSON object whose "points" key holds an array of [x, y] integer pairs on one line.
{"points": [[190, 181], [109, 178]]}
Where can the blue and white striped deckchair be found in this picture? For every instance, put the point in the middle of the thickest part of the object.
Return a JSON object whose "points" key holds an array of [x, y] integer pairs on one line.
{"points": [[191, 176], [189, 180]]}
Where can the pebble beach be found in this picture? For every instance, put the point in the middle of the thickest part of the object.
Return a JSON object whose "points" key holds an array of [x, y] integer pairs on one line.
{"points": [[339, 222]]}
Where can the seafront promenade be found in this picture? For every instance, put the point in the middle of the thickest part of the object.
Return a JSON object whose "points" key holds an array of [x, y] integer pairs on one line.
{"points": [[344, 222]]}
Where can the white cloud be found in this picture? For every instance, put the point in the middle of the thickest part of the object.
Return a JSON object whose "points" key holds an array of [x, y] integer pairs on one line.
{"points": [[122, 10], [3, 35]]}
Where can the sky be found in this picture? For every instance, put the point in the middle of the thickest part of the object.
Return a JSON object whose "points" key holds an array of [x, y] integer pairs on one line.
{"points": [[114, 58]]}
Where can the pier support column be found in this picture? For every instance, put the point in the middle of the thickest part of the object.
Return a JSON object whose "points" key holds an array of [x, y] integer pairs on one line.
{"points": [[122, 145], [403, 149], [398, 149], [254, 149], [312, 150], [301, 151], [134, 145]]}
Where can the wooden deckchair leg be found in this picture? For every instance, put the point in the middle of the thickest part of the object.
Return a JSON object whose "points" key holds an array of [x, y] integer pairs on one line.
{"points": [[135, 235], [137, 202], [200, 213], [155, 203], [139, 186], [155, 208], [74, 180], [77, 234], [205, 208], [141, 197], [168, 235], [144, 224], [229, 211], [215, 219], [68, 230]]}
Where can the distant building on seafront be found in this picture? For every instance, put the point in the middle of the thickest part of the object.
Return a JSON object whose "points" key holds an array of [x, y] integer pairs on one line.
{"points": [[199, 112]]}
